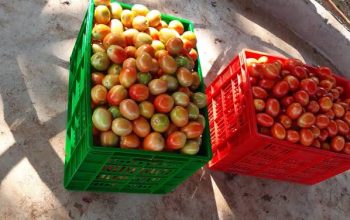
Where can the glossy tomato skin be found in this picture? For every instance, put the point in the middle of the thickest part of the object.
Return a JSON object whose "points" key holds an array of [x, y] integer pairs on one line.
{"points": [[302, 97], [325, 103], [154, 142], [127, 77], [141, 127], [287, 101], [129, 109], [146, 109], [306, 137], [99, 94], [289, 64], [332, 128], [272, 107], [271, 70], [259, 105], [293, 82], [278, 131], [267, 84], [306, 120], [160, 122], [130, 141], [293, 136], [193, 129], [116, 94], [346, 148], [280, 89], [337, 143], [264, 120], [176, 140], [285, 121], [121, 126], [117, 54], [343, 127], [179, 116], [313, 107], [157, 86], [97, 78], [294, 110], [323, 135], [347, 117], [139, 92], [322, 121], [108, 139], [102, 119], [309, 86], [259, 93], [338, 110], [300, 72], [163, 103]]}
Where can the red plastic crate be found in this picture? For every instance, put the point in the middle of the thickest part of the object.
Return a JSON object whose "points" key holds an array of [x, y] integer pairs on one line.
{"points": [[239, 148]]}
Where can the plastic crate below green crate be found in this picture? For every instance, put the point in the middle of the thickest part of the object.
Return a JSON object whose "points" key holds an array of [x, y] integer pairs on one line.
{"points": [[94, 168]]}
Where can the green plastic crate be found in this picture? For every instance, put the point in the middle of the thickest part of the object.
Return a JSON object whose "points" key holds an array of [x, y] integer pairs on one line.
{"points": [[95, 168]]}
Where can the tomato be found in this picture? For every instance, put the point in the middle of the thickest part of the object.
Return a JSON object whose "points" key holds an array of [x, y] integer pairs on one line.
{"points": [[335, 93], [289, 64], [193, 129], [266, 83], [313, 106], [316, 131], [141, 38], [191, 147], [114, 69], [157, 86], [259, 92], [302, 97], [199, 99], [272, 107], [102, 119], [100, 31], [300, 72], [278, 131], [271, 70], [177, 26], [255, 69], [306, 120], [171, 82], [154, 142], [330, 114], [280, 89], [201, 119], [306, 137], [154, 18], [346, 148], [338, 110], [114, 110], [345, 105], [172, 128], [332, 128], [157, 46], [176, 140], [98, 48], [179, 116], [144, 62], [293, 136], [160, 122], [116, 10], [116, 26], [167, 64], [337, 143], [127, 77], [316, 143], [100, 61], [174, 45], [285, 73], [343, 127], [347, 117], [165, 34], [98, 94], [309, 86], [126, 18], [326, 84], [196, 81], [139, 9], [323, 135], [121, 126], [163, 103], [141, 127], [138, 92], [102, 14], [191, 37], [264, 120], [146, 109], [108, 139], [259, 105], [294, 110], [130, 141], [325, 103], [129, 63], [116, 94], [114, 39], [129, 109], [110, 80], [285, 121], [97, 78], [129, 35], [287, 101], [186, 62], [193, 54], [117, 54], [193, 111], [140, 23], [146, 48]]}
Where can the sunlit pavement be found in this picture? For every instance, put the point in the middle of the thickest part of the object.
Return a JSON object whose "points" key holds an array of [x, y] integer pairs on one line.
{"points": [[36, 39]]}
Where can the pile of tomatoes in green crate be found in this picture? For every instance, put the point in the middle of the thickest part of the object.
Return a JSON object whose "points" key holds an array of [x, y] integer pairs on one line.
{"points": [[300, 104], [144, 87]]}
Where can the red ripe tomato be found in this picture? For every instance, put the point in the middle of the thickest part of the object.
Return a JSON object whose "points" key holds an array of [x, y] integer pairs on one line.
{"points": [[97, 78], [259, 105], [264, 120], [267, 83], [253, 81], [259, 92], [309, 86], [193, 129], [324, 70], [346, 148], [272, 107], [176, 140], [292, 81], [293, 136], [343, 127], [335, 93], [141, 127], [323, 135], [116, 53], [306, 120], [285, 121], [313, 106], [338, 110], [138, 92], [330, 114], [127, 77], [255, 70], [300, 72], [332, 128], [316, 131], [272, 70], [294, 110], [289, 64], [337, 143], [316, 143], [340, 89], [163, 103], [286, 101], [285, 73], [116, 94], [278, 131], [193, 54], [347, 117], [306, 137], [154, 142], [172, 128], [326, 84], [302, 97], [280, 89]]}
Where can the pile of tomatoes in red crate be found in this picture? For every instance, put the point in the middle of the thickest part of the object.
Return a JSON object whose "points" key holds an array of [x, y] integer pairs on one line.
{"points": [[300, 104]]}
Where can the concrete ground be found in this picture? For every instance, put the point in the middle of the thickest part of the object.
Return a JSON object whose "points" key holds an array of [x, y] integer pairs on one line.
{"points": [[36, 41]]}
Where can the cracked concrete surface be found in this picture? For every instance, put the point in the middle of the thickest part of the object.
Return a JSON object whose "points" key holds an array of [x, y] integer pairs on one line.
{"points": [[36, 41]]}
